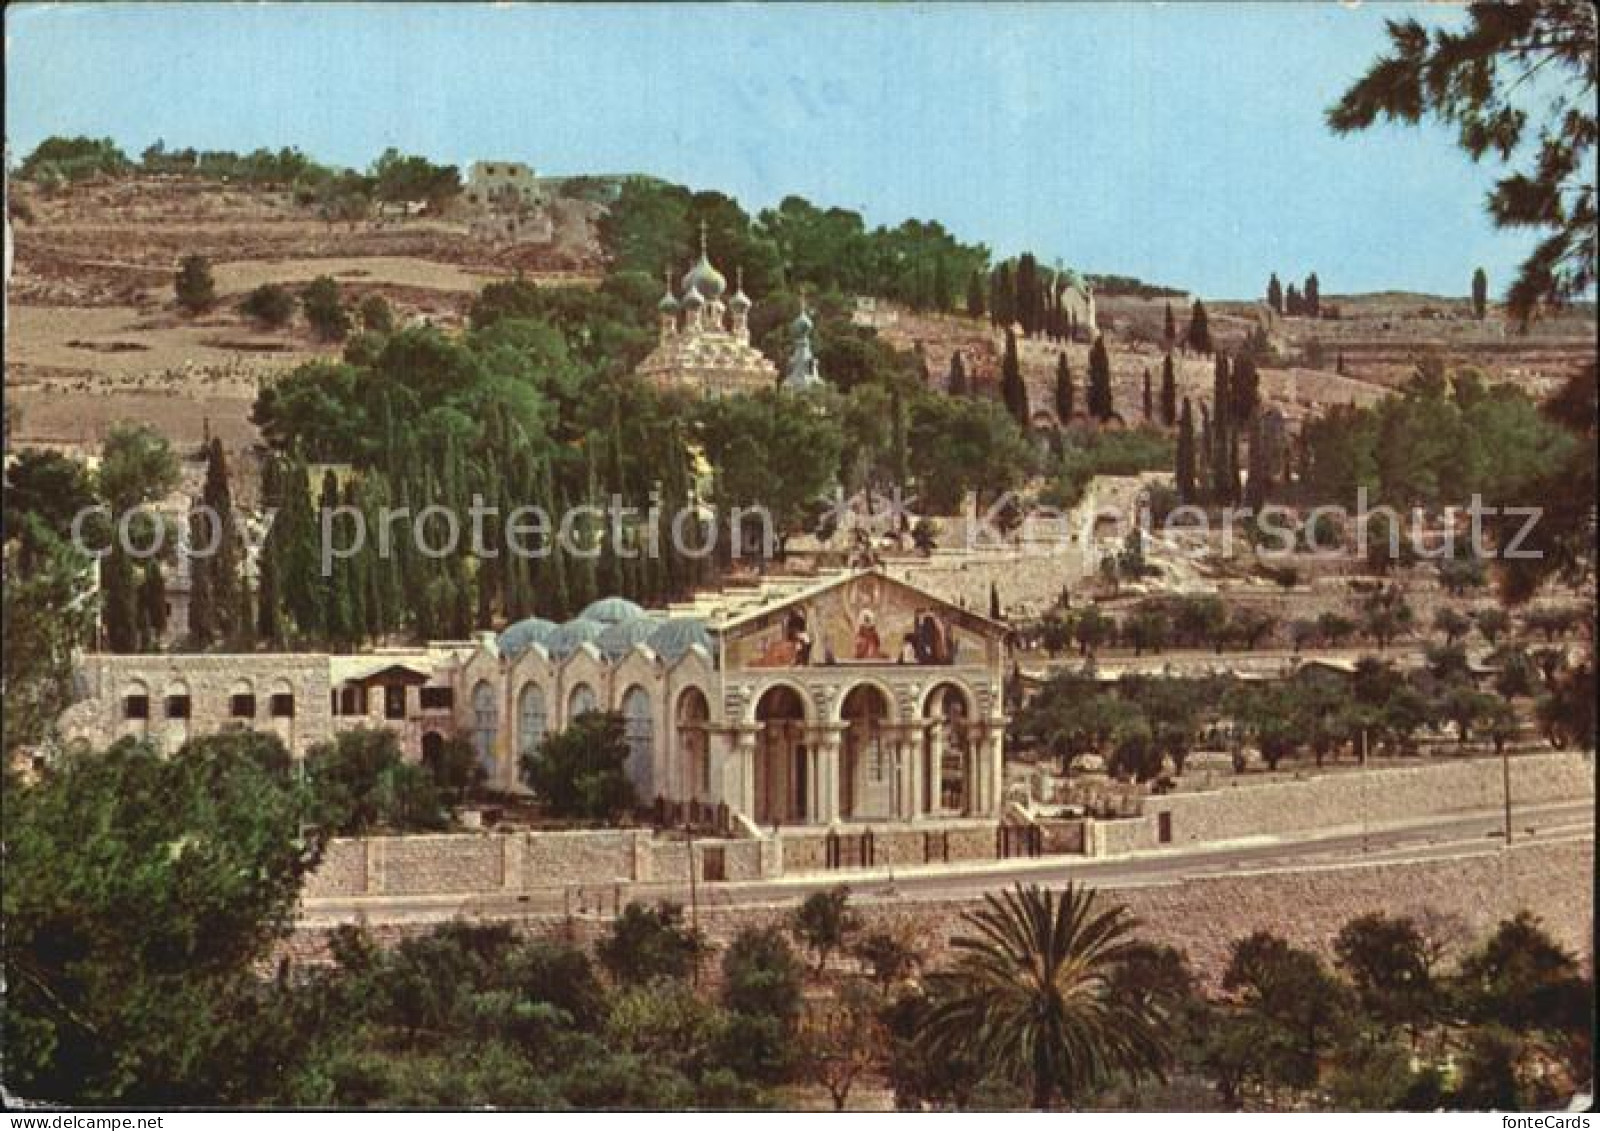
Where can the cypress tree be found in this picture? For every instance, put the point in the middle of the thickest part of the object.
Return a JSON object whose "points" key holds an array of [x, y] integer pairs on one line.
{"points": [[1199, 336], [1149, 398], [1292, 303], [975, 303], [1013, 392], [1064, 389], [1313, 296], [1003, 297], [269, 596], [302, 595], [338, 616], [957, 383], [1169, 391], [202, 594], [1222, 427], [1185, 472], [1258, 484], [1480, 294], [1275, 294], [223, 567], [1027, 294], [119, 604], [1245, 387], [1170, 331], [1098, 397], [1202, 450], [152, 607], [994, 601]]}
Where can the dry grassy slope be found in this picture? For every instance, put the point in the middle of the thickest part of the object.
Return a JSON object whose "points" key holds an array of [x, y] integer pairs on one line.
{"points": [[1296, 390], [95, 337]]}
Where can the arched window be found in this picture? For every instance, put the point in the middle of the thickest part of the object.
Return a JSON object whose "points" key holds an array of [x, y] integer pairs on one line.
{"points": [[581, 701], [694, 715], [485, 722], [532, 719], [638, 730]]}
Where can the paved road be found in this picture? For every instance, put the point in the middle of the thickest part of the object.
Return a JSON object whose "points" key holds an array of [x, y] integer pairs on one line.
{"points": [[1450, 835]]}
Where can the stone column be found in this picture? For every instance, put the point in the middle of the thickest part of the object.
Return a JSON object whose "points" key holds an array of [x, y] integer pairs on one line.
{"points": [[812, 806], [990, 760], [830, 737], [916, 753], [745, 757], [935, 764]]}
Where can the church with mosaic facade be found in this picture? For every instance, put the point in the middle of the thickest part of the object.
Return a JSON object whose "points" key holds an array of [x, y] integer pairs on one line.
{"points": [[852, 697]]}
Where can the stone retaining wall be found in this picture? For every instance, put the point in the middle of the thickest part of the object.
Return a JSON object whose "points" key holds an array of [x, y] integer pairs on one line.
{"points": [[1467, 895], [493, 863], [1351, 797]]}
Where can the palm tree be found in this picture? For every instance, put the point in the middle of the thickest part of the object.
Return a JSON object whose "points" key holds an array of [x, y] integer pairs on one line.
{"points": [[1032, 996]]}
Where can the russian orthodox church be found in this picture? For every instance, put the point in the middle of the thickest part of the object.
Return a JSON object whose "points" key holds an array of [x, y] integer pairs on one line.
{"points": [[704, 341], [704, 345]]}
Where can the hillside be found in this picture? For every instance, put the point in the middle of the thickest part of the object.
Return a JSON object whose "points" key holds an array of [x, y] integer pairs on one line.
{"points": [[94, 335]]}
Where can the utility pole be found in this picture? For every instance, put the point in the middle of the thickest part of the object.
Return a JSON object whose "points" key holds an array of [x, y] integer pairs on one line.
{"points": [[694, 899], [1364, 813], [1505, 782]]}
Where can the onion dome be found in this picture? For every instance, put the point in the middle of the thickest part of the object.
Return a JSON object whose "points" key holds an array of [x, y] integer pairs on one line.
{"points": [[668, 303], [802, 324], [673, 638], [703, 277], [619, 639], [740, 302], [519, 637], [692, 300], [611, 610]]}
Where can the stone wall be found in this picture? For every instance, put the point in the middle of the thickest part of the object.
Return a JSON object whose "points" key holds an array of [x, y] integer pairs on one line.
{"points": [[1351, 797], [1465, 894], [209, 682], [527, 862], [493, 863]]}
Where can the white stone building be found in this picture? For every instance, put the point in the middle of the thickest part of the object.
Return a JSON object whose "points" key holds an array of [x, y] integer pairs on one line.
{"points": [[704, 343], [798, 701]]}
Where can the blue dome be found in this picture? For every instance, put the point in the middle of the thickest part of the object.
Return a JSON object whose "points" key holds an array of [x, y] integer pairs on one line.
{"points": [[611, 610], [565, 640], [519, 637], [802, 325], [673, 638], [619, 638]]}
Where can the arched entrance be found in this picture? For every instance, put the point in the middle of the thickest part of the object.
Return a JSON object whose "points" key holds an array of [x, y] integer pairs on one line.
{"points": [[694, 745], [780, 757], [866, 785], [947, 746]]}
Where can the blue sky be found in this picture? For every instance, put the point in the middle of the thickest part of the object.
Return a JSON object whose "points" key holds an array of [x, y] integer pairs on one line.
{"points": [[1182, 143]]}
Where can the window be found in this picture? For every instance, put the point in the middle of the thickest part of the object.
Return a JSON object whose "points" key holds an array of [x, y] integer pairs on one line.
{"points": [[485, 722], [438, 699], [282, 705], [242, 706], [352, 700], [638, 730], [532, 719], [581, 702], [394, 701], [136, 707], [177, 706]]}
